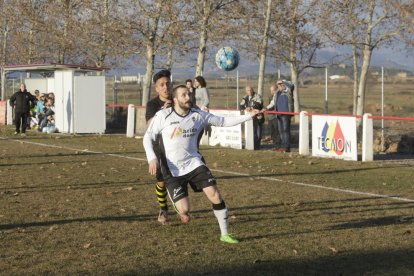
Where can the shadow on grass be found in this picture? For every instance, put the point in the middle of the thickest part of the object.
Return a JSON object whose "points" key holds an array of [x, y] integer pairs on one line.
{"points": [[328, 172], [375, 222], [254, 213], [149, 217], [374, 206], [398, 262], [79, 154], [51, 159], [79, 186], [47, 163], [397, 156]]}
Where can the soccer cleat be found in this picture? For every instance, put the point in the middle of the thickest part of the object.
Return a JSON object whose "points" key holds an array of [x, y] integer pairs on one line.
{"points": [[16, 132], [163, 217], [228, 238]]}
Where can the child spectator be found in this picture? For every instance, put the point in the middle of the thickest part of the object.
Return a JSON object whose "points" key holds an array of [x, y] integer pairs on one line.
{"points": [[48, 116], [40, 105]]}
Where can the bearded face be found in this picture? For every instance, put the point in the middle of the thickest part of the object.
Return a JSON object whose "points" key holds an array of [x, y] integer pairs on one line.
{"points": [[182, 99]]}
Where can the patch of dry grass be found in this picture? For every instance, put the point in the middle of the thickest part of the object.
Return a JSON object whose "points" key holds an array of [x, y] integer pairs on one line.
{"points": [[81, 207]]}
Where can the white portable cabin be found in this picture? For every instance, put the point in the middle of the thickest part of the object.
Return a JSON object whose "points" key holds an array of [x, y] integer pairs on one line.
{"points": [[79, 94]]}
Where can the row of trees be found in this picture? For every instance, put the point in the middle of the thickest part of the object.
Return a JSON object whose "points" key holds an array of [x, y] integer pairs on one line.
{"points": [[165, 33]]}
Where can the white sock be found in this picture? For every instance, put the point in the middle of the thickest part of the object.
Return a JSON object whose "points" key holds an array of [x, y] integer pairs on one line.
{"points": [[222, 219]]}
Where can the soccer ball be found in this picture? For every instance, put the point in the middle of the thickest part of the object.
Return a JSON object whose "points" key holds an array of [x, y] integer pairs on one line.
{"points": [[227, 58]]}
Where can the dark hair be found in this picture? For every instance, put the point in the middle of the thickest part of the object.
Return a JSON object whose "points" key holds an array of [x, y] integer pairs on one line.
{"points": [[174, 93], [163, 73], [201, 80], [189, 80]]}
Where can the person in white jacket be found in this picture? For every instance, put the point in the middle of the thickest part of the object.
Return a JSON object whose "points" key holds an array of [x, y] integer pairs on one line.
{"points": [[182, 164], [202, 98]]}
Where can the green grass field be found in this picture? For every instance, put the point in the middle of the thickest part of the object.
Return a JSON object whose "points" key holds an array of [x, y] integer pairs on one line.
{"points": [[86, 205]]}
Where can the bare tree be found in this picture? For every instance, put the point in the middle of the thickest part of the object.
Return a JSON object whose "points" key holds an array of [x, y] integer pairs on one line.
{"points": [[105, 38], [343, 32], [151, 22], [365, 25], [263, 47], [206, 21], [254, 31], [29, 33], [5, 29], [296, 39], [178, 39], [62, 26]]}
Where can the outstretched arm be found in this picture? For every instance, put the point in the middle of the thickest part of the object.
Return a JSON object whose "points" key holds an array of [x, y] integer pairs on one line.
{"points": [[232, 121]]}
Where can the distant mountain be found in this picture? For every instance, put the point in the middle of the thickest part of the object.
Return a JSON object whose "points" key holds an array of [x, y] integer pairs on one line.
{"points": [[389, 59]]}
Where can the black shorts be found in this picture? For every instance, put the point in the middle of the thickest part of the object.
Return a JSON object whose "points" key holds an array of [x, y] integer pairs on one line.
{"points": [[198, 179]]}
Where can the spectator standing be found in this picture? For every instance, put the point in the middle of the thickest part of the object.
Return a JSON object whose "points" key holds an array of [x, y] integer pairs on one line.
{"points": [[191, 90], [253, 100], [22, 102], [272, 119], [162, 83], [284, 103], [202, 98]]}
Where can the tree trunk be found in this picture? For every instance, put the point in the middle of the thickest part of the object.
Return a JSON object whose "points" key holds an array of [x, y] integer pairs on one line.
{"points": [[170, 56], [3, 59], [355, 66], [103, 42], [202, 45], [262, 65], [295, 76], [30, 51], [202, 42], [146, 90], [367, 52]]}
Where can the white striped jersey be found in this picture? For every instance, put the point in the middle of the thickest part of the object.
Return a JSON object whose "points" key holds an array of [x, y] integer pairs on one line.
{"points": [[179, 136]]}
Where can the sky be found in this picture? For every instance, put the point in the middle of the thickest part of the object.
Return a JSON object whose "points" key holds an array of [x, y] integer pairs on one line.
{"points": [[387, 57]]}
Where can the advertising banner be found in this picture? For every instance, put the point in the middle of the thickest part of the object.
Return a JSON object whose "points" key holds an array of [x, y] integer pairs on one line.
{"points": [[226, 136], [334, 136]]}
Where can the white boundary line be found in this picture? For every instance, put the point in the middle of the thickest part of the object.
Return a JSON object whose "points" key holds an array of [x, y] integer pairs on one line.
{"points": [[230, 172], [323, 187]]}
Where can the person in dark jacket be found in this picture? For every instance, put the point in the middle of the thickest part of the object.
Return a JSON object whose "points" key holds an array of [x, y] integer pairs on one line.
{"points": [[252, 100], [284, 103], [22, 101], [191, 89]]}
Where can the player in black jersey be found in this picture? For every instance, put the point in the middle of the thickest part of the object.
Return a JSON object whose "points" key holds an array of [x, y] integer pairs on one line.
{"points": [[162, 83]]}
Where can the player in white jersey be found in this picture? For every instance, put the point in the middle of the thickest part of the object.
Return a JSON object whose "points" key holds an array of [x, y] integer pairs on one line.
{"points": [[179, 127]]}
